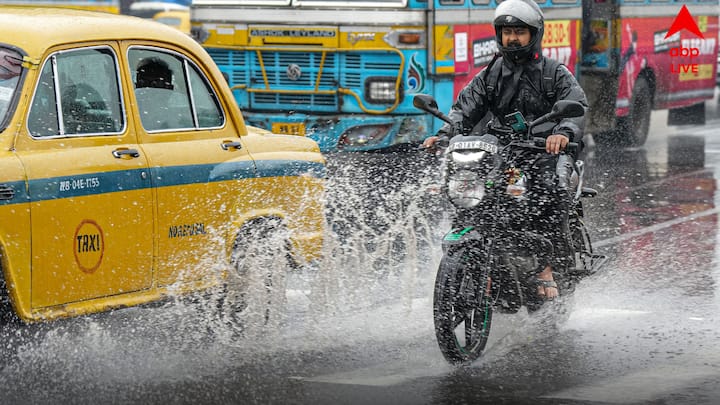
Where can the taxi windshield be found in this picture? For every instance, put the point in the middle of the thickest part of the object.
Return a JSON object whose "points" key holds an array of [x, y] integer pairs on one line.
{"points": [[10, 69]]}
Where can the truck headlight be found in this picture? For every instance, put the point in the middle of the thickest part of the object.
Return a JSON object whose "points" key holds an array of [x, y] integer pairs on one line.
{"points": [[465, 189], [381, 90]]}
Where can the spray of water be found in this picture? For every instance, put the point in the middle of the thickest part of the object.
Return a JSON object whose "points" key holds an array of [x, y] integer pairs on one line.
{"points": [[374, 281]]}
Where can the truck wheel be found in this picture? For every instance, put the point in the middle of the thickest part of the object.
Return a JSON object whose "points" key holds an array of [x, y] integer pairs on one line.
{"points": [[633, 129]]}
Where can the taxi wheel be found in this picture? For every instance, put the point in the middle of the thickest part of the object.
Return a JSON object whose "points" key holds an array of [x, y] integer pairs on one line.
{"points": [[7, 312], [261, 258]]}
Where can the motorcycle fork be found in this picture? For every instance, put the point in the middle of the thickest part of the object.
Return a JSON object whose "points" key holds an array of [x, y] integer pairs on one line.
{"points": [[477, 283]]}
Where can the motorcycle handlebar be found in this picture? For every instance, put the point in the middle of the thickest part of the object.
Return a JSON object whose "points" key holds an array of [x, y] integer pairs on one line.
{"points": [[571, 147], [443, 142]]}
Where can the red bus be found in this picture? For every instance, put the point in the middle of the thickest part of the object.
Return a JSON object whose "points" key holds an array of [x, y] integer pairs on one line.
{"points": [[631, 66]]}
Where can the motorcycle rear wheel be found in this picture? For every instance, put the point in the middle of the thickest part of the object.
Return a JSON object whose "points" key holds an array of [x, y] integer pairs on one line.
{"points": [[462, 306]]}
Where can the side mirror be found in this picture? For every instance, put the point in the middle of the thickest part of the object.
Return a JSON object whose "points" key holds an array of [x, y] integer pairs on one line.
{"points": [[428, 104], [567, 109], [425, 102], [561, 109]]}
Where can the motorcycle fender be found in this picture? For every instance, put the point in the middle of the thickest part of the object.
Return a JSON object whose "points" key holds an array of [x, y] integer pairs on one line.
{"points": [[458, 236]]}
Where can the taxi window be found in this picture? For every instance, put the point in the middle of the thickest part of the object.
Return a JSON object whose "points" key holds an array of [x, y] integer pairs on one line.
{"points": [[172, 94], [10, 69], [207, 107], [77, 94]]}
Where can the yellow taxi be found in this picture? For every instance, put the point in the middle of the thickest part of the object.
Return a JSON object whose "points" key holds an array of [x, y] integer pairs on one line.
{"points": [[127, 174], [179, 19]]}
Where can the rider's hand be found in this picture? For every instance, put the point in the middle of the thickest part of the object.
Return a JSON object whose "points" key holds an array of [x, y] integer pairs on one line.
{"points": [[429, 142], [555, 143]]}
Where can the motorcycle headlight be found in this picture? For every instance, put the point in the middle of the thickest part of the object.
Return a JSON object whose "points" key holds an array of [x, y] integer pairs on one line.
{"points": [[465, 189]]}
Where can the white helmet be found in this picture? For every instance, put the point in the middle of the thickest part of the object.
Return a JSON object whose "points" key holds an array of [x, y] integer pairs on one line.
{"points": [[519, 13]]}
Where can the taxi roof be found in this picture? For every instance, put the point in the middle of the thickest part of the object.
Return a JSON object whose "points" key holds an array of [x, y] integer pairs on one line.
{"points": [[34, 30]]}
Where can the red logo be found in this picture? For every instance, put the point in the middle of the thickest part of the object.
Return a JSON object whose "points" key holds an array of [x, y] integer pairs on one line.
{"points": [[684, 20]]}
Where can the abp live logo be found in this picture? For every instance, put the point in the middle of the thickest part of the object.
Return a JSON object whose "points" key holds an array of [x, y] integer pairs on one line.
{"points": [[688, 48]]}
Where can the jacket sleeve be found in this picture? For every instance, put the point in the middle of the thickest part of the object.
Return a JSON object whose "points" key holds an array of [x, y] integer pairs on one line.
{"points": [[469, 107], [567, 88]]}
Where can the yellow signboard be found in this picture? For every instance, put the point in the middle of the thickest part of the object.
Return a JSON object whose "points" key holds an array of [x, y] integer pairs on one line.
{"points": [[283, 35], [557, 33], [704, 71]]}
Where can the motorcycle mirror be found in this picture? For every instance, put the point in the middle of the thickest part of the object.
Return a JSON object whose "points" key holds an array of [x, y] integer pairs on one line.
{"points": [[562, 109], [567, 109], [427, 103]]}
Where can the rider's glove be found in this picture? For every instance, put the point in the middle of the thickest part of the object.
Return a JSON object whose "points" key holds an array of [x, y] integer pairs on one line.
{"points": [[447, 132]]}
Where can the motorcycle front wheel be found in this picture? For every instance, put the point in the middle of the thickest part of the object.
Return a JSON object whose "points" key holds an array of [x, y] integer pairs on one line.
{"points": [[462, 306]]}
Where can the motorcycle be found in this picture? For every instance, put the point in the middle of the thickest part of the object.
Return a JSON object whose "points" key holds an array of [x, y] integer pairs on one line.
{"points": [[491, 256]]}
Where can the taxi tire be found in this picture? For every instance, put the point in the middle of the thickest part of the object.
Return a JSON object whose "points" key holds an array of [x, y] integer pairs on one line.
{"points": [[14, 331], [8, 317], [261, 260]]}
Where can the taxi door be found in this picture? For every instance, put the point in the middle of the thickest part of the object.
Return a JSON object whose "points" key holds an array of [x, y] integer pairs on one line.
{"points": [[196, 159], [90, 194]]}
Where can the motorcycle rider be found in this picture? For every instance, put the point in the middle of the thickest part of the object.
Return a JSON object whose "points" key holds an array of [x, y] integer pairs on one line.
{"points": [[520, 73]]}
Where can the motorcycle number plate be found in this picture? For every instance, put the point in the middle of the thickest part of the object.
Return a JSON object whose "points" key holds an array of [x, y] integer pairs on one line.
{"points": [[474, 145]]}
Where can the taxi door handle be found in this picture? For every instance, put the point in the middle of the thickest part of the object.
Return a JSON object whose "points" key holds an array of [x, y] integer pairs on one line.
{"points": [[231, 145], [119, 153]]}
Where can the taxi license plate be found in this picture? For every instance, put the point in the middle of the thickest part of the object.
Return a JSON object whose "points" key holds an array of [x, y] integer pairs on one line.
{"points": [[289, 128]]}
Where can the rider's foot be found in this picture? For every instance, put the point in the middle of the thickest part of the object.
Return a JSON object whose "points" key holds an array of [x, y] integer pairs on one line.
{"points": [[547, 287]]}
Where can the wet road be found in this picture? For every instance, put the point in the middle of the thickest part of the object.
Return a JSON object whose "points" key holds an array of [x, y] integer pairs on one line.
{"points": [[645, 330]]}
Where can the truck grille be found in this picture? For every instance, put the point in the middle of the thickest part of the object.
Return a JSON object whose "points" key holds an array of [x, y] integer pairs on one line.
{"points": [[315, 89]]}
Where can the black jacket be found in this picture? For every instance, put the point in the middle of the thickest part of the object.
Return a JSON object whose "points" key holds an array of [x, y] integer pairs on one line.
{"points": [[518, 88]]}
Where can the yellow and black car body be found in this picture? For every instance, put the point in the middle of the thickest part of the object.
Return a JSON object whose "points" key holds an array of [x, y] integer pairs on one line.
{"points": [[116, 190]]}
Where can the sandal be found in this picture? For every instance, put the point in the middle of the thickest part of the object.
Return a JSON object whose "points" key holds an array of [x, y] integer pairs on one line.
{"points": [[546, 284]]}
